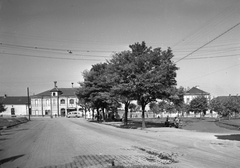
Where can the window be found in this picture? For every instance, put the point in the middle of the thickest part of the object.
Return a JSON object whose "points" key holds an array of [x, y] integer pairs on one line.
{"points": [[54, 94], [36, 102], [12, 111], [47, 102], [71, 101], [54, 102], [62, 101]]}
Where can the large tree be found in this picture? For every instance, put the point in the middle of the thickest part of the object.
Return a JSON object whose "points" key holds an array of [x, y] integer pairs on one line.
{"points": [[153, 74], [120, 72], [95, 88]]}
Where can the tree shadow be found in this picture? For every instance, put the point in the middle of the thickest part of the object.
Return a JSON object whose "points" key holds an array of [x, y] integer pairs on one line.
{"points": [[3, 139], [232, 137], [138, 124], [10, 159]]}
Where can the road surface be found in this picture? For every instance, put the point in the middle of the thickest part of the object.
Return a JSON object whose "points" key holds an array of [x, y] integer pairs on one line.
{"points": [[73, 143]]}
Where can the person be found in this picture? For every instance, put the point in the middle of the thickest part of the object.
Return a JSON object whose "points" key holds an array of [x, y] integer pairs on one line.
{"points": [[176, 122], [167, 122]]}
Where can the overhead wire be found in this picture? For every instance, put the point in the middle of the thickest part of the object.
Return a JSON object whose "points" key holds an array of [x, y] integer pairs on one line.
{"points": [[51, 49], [209, 42], [48, 57], [213, 72], [211, 24]]}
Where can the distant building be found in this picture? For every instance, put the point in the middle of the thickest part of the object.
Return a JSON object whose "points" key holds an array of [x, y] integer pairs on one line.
{"points": [[193, 93], [15, 105], [56, 101]]}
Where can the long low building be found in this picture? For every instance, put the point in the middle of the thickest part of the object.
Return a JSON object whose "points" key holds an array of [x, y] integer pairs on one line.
{"points": [[15, 105]]}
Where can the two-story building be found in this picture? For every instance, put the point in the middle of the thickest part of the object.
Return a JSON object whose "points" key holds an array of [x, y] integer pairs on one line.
{"points": [[193, 93], [54, 102]]}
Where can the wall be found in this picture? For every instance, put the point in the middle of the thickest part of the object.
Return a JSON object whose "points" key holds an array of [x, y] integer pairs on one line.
{"points": [[19, 110]]}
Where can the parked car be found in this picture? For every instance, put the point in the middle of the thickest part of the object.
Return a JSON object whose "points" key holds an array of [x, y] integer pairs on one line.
{"points": [[74, 114]]}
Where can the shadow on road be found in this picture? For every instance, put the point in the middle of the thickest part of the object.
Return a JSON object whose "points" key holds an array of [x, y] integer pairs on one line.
{"points": [[10, 159], [137, 124], [3, 139], [233, 137]]}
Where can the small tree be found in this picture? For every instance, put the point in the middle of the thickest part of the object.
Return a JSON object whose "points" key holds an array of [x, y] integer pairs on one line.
{"points": [[132, 107], [2, 108], [199, 104], [154, 107], [231, 105], [216, 105]]}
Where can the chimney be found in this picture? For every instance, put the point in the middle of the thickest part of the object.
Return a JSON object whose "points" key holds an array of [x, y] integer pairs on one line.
{"points": [[72, 84], [197, 87], [5, 95], [55, 84]]}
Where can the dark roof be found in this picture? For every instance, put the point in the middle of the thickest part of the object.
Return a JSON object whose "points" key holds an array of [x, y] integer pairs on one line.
{"points": [[225, 97], [196, 91], [14, 100], [63, 91], [55, 90]]}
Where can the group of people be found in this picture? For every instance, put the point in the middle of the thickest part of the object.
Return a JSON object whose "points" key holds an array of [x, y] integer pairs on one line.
{"points": [[175, 123]]}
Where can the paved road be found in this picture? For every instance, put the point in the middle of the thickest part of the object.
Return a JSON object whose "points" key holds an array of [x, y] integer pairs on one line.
{"points": [[72, 143]]}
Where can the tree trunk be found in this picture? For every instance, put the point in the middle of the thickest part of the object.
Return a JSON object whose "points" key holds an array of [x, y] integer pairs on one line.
{"points": [[126, 113], [143, 117], [103, 117], [98, 115], [93, 114]]}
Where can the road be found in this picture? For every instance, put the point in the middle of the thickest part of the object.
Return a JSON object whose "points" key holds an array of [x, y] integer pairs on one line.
{"points": [[72, 143]]}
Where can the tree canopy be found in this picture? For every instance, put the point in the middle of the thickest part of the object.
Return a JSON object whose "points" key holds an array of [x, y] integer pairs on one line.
{"points": [[2, 108], [141, 73], [199, 104], [226, 105]]}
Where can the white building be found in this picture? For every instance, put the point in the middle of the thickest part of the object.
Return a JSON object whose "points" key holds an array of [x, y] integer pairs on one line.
{"points": [[193, 93], [56, 101], [15, 105]]}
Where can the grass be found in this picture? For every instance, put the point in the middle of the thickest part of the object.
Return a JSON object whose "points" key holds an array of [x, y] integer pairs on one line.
{"points": [[193, 123], [12, 121]]}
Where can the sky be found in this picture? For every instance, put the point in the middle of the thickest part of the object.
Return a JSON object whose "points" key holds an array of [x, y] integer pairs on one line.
{"points": [[42, 41]]}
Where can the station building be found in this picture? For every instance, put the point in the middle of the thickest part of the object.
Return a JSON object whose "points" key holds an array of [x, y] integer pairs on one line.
{"points": [[54, 102]]}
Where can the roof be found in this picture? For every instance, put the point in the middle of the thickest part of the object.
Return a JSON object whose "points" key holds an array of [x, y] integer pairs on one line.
{"points": [[14, 100], [225, 97], [64, 92], [196, 91]]}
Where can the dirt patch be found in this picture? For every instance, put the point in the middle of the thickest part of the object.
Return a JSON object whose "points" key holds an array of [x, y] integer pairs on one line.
{"points": [[160, 157]]}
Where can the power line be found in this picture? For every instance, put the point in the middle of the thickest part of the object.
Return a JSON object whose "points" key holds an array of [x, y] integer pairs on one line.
{"points": [[52, 49], [212, 73], [212, 23], [209, 42], [221, 56], [47, 57]]}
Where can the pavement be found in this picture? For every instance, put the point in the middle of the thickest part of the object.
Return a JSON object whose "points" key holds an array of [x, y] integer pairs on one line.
{"points": [[75, 143]]}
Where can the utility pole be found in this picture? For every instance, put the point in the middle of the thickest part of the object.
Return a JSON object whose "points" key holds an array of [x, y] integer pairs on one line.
{"points": [[28, 104]]}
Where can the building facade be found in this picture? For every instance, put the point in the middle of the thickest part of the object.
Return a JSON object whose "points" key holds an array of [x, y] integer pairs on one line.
{"points": [[193, 93], [15, 105], [54, 102]]}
